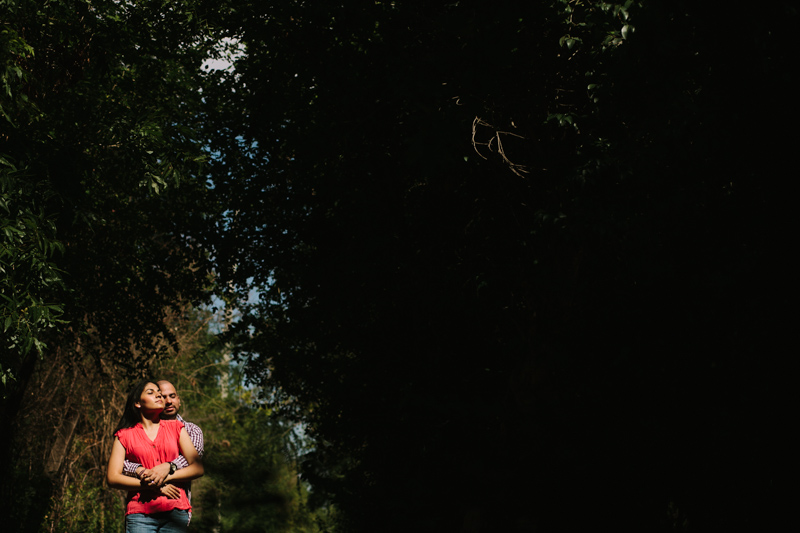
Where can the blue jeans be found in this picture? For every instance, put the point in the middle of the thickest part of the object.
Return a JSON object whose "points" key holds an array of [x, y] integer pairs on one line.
{"points": [[175, 521]]}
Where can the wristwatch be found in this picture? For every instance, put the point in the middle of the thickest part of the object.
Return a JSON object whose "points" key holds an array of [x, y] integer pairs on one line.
{"points": [[172, 468]]}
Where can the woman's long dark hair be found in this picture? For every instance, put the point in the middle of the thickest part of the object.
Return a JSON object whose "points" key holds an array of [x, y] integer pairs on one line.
{"points": [[131, 416]]}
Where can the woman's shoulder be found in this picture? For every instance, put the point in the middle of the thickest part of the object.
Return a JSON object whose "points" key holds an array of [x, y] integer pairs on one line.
{"points": [[124, 433]]}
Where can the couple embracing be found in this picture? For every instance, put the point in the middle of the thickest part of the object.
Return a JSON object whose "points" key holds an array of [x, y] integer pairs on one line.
{"points": [[154, 457]]}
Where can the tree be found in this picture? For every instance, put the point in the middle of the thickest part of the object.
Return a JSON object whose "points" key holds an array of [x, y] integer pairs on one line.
{"points": [[29, 235], [103, 195], [501, 248]]}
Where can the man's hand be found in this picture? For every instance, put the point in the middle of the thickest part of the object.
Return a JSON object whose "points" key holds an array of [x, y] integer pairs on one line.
{"points": [[156, 475], [170, 491]]}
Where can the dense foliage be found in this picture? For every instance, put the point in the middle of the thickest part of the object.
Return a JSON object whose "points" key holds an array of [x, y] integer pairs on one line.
{"points": [[100, 154], [100, 193], [514, 266], [519, 263]]}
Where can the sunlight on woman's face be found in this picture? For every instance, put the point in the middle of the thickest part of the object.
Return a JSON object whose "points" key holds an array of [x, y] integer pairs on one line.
{"points": [[151, 398]]}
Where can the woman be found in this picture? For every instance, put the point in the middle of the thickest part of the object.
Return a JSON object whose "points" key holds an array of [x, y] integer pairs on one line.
{"points": [[143, 437]]}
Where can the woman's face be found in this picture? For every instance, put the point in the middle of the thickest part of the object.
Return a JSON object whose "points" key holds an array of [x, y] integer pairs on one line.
{"points": [[151, 399]]}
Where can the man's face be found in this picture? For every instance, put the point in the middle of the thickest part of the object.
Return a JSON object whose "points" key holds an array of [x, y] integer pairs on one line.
{"points": [[172, 401]]}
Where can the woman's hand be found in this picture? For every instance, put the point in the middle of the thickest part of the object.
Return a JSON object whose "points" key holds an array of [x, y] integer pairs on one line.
{"points": [[151, 493], [156, 475], [170, 491]]}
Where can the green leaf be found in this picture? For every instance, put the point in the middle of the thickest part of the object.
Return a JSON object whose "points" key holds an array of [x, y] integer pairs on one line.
{"points": [[627, 29]]}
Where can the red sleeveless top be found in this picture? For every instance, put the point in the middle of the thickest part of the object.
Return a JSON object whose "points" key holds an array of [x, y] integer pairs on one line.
{"points": [[149, 453]]}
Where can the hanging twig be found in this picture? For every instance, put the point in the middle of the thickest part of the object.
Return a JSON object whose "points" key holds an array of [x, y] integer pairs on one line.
{"points": [[517, 169]]}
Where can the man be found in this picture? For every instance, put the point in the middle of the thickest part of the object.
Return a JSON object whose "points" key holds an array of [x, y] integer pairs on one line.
{"points": [[156, 475]]}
